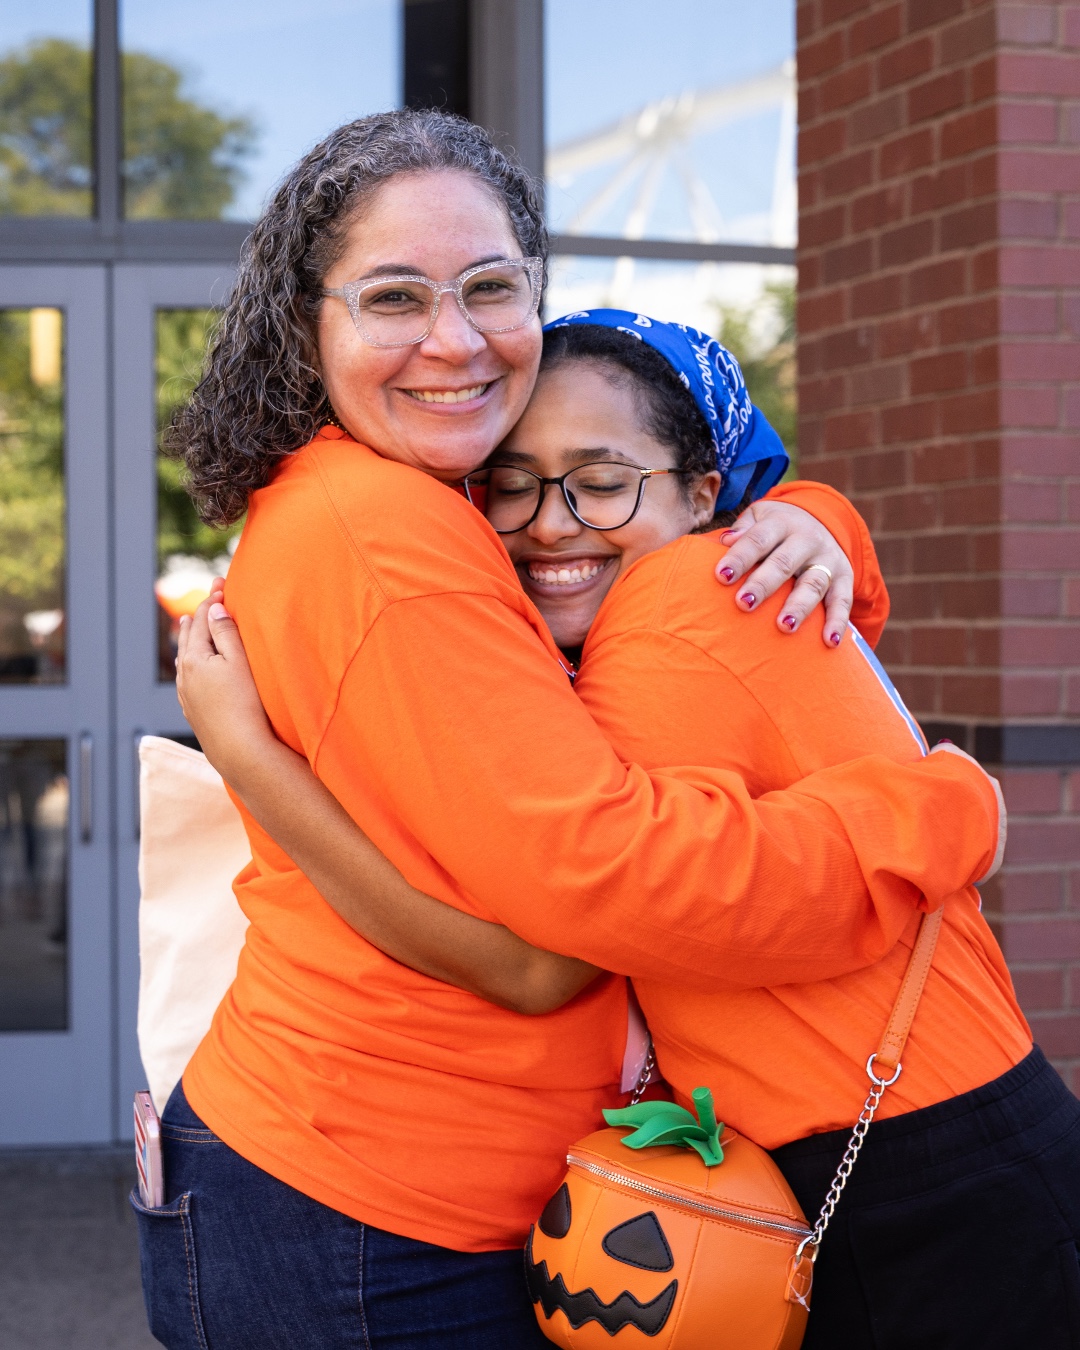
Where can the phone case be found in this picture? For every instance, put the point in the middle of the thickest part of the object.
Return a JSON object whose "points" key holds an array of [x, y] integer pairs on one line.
{"points": [[148, 1152]]}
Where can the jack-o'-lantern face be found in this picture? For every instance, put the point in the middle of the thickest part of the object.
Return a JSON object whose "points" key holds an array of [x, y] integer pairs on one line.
{"points": [[644, 1246], [638, 1242]]}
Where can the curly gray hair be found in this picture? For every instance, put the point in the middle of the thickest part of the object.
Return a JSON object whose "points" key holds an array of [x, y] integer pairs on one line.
{"points": [[261, 397]]}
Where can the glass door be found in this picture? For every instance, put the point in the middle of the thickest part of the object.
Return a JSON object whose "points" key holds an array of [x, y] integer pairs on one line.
{"points": [[165, 558], [57, 1014]]}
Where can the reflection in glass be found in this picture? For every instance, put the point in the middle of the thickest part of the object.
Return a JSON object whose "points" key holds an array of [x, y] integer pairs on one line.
{"points": [[685, 129], [189, 553], [182, 158], [46, 83], [32, 630], [222, 96], [748, 306], [33, 885]]}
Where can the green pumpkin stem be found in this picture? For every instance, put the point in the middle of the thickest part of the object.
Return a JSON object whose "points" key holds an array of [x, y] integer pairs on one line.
{"points": [[703, 1105], [656, 1123]]}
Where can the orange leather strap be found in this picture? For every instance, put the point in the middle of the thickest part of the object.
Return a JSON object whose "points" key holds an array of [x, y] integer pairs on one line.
{"points": [[907, 1001], [884, 1069]]}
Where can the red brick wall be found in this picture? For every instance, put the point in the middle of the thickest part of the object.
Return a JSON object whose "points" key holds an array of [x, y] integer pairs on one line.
{"points": [[1035, 907], [939, 321]]}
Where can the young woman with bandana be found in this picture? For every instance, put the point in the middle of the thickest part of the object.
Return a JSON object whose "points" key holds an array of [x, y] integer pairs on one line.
{"points": [[637, 431]]}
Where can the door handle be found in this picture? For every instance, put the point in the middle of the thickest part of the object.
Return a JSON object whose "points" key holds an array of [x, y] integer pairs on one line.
{"points": [[136, 776], [86, 787]]}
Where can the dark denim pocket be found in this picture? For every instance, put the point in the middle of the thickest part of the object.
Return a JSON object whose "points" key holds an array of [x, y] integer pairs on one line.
{"points": [[170, 1274]]}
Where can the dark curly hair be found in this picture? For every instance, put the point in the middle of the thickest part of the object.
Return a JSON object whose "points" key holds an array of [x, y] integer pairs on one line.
{"points": [[262, 397]]}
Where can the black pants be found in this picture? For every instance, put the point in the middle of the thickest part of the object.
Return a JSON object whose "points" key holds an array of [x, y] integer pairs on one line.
{"points": [[959, 1227]]}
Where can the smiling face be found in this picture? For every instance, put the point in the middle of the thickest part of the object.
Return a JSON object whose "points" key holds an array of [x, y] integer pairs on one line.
{"points": [[441, 404], [579, 414]]}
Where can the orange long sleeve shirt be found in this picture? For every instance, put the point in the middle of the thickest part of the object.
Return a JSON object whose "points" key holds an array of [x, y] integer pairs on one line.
{"points": [[670, 676], [393, 646]]}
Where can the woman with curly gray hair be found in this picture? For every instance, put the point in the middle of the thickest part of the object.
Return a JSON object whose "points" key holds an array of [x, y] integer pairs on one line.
{"points": [[356, 1151]]}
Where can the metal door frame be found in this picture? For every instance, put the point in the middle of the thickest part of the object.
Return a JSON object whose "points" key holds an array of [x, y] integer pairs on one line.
{"points": [[143, 704], [59, 1085]]}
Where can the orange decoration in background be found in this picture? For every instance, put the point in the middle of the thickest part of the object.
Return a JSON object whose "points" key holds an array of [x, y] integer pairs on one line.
{"points": [[182, 592], [188, 603]]}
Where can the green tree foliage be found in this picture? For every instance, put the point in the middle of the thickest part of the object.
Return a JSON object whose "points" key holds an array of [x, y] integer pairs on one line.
{"points": [[45, 152], [181, 160], [182, 339], [31, 485], [769, 365], [32, 494]]}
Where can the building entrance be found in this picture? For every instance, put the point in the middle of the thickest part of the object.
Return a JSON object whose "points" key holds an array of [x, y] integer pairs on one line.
{"points": [[56, 883], [99, 554]]}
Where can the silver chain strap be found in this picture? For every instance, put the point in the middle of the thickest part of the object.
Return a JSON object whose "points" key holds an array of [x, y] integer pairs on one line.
{"points": [[854, 1145], [843, 1172], [645, 1077]]}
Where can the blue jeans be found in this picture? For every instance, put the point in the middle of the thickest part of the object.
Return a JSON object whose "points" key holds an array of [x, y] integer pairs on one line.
{"points": [[237, 1260]]}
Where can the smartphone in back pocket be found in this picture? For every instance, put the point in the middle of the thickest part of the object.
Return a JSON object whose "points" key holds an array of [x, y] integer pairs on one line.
{"points": [[148, 1152]]}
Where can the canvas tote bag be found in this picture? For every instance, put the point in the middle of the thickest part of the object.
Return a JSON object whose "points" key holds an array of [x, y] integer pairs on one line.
{"points": [[191, 928]]}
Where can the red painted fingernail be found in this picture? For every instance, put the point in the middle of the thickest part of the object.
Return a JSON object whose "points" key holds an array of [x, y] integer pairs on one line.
{"points": [[788, 621], [728, 573], [834, 638], [945, 741], [749, 599]]}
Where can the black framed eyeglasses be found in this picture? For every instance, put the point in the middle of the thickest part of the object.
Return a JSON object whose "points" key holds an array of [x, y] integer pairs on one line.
{"points": [[602, 496]]}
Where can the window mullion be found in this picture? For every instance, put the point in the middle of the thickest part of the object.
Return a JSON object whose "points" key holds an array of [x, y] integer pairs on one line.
{"points": [[107, 116], [507, 76]]}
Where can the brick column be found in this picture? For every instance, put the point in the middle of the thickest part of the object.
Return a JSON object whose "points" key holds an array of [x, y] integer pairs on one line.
{"points": [[939, 386]]}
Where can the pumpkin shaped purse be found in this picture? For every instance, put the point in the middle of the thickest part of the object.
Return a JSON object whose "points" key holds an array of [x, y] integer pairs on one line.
{"points": [[684, 1235]]}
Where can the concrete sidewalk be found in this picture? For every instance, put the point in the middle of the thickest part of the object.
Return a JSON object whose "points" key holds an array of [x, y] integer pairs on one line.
{"points": [[69, 1259]]}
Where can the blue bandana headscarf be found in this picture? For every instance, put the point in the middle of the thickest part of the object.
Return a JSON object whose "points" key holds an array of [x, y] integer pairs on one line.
{"points": [[749, 453]]}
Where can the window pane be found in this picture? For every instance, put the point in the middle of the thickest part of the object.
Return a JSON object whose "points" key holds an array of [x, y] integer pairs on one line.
{"points": [[32, 631], [46, 81], [222, 96], [673, 121], [749, 307], [33, 885], [189, 553]]}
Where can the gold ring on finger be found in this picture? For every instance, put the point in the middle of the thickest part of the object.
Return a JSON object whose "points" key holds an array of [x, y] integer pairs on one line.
{"points": [[817, 567]]}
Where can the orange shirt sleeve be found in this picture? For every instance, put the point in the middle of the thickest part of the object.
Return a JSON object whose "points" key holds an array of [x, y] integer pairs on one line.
{"points": [[871, 606], [454, 715]]}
